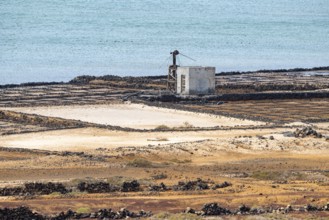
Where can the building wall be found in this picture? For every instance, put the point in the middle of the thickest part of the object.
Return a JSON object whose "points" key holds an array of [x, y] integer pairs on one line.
{"points": [[182, 71], [198, 80]]}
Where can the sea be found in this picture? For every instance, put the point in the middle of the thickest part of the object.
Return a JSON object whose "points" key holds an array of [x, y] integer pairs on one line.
{"points": [[57, 40]]}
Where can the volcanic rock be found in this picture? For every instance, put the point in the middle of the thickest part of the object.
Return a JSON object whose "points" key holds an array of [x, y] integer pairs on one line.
{"points": [[199, 184], [132, 186], [307, 131], [214, 209]]}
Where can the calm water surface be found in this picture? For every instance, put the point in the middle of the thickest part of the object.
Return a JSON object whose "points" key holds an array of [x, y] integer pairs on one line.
{"points": [[56, 40]]}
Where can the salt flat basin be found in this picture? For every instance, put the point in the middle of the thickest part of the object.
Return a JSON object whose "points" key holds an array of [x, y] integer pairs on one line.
{"points": [[92, 138], [134, 116]]}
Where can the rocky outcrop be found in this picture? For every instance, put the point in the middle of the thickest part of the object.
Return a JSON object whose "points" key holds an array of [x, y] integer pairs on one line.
{"points": [[307, 131], [208, 209]]}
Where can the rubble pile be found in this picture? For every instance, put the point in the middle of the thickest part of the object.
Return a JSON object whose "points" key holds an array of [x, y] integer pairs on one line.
{"points": [[103, 187], [15, 191], [132, 186], [222, 185], [45, 188], [20, 213], [311, 208], [209, 209], [102, 214], [159, 188], [34, 189], [199, 184], [307, 131], [214, 209], [99, 187], [243, 209]]}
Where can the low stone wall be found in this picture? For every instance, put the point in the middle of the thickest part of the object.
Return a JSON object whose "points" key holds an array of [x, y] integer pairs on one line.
{"points": [[236, 97]]}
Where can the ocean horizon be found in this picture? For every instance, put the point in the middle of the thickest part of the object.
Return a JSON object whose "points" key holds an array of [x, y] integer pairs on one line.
{"points": [[44, 41]]}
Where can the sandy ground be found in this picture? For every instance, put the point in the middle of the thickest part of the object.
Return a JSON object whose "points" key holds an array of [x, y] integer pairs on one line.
{"points": [[324, 125], [134, 116], [92, 138], [267, 167], [255, 164], [88, 139]]}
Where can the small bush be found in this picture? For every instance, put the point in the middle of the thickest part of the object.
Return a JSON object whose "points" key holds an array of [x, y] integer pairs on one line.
{"points": [[162, 139], [326, 173], [187, 125], [118, 180], [181, 161], [55, 194], [179, 216], [158, 139], [160, 176], [83, 210], [266, 175], [140, 162], [162, 128]]}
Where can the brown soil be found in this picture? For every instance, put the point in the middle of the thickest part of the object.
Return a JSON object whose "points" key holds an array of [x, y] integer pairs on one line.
{"points": [[267, 167]]}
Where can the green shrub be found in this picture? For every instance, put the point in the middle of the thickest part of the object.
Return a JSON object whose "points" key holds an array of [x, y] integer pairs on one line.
{"points": [[83, 210]]}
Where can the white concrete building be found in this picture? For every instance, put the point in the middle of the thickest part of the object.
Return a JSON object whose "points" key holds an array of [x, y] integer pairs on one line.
{"points": [[196, 80]]}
